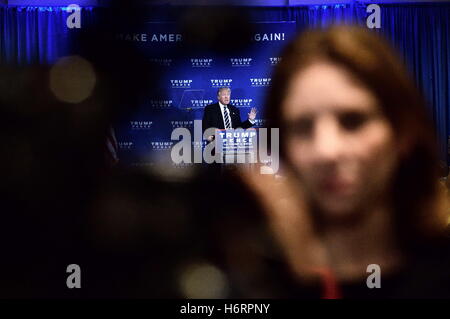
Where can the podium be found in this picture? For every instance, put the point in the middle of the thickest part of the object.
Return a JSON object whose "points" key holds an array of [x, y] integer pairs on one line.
{"points": [[237, 147]]}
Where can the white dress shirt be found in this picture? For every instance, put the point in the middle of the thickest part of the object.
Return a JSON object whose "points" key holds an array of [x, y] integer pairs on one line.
{"points": [[222, 109]]}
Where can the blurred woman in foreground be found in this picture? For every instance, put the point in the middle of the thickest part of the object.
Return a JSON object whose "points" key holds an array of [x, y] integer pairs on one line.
{"points": [[361, 178]]}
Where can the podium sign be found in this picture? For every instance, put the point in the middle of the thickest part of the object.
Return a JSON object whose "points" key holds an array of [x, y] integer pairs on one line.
{"points": [[237, 142]]}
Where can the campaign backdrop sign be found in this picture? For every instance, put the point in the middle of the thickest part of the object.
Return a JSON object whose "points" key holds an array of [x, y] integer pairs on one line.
{"points": [[190, 81], [231, 141]]}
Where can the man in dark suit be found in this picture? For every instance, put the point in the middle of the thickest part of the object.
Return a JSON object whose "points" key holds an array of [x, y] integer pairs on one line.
{"points": [[223, 115]]}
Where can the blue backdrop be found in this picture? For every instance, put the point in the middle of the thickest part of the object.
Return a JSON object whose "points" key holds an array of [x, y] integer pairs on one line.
{"points": [[190, 81], [419, 31]]}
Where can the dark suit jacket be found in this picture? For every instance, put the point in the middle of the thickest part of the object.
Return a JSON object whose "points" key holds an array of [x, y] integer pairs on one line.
{"points": [[212, 117]]}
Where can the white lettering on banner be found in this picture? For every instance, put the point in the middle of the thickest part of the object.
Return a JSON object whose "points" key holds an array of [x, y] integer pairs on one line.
{"points": [[241, 102], [181, 151], [125, 145], [181, 84], [166, 37], [143, 37], [181, 123], [161, 61], [259, 37], [135, 37], [221, 82], [161, 104], [138, 125], [201, 103], [275, 60], [240, 61], [201, 62], [260, 81], [259, 122], [161, 145]]}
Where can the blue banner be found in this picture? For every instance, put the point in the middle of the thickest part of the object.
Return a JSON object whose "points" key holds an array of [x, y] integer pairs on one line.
{"points": [[190, 81]]}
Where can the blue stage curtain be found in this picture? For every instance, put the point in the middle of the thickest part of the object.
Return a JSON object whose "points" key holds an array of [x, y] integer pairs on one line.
{"points": [[30, 35], [317, 16], [419, 31]]}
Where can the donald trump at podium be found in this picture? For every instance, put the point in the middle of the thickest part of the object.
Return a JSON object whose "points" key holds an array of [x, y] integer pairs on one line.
{"points": [[223, 115]]}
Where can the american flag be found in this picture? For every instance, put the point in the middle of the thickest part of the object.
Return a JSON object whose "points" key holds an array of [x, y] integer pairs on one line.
{"points": [[111, 148]]}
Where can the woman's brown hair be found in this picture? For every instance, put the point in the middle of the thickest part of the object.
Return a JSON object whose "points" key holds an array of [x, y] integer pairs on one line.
{"points": [[371, 60]]}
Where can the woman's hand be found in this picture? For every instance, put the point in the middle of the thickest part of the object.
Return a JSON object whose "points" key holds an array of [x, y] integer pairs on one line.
{"points": [[284, 204]]}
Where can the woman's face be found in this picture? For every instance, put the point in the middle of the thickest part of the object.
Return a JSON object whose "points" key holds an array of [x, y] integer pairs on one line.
{"points": [[339, 142]]}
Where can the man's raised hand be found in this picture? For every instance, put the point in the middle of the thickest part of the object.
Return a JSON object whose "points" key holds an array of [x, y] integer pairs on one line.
{"points": [[252, 114]]}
